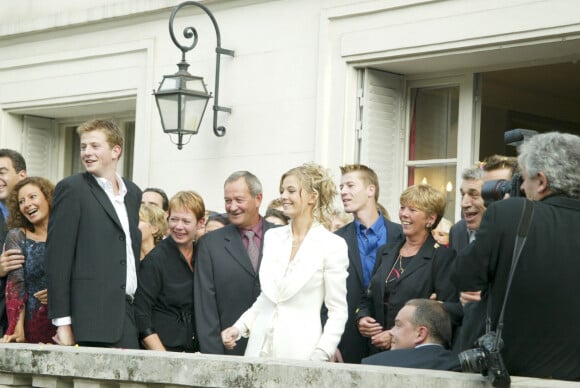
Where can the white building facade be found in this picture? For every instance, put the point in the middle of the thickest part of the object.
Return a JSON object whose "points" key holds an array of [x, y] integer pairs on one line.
{"points": [[416, 89]]}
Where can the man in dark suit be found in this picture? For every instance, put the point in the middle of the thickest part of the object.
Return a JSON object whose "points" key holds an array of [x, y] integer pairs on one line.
{"points": [[542, 311], [420, 336], [12, 170], [226, 281], [472, 209], [464, 232], [359, 189], [93, 245]]}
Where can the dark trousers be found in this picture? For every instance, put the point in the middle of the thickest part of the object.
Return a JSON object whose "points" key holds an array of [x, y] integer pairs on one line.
{"points": [[129, 337]]}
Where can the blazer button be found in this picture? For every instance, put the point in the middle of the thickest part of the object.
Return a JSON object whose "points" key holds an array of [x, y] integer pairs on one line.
{"points": [[123, 287], [122, 262], [122, 238]]}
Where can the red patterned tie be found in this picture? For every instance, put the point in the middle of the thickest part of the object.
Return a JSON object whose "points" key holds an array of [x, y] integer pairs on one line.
{"points": [[253, 250]]}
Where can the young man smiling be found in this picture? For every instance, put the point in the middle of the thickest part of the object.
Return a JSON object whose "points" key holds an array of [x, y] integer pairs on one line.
{"points": [[93, 245], [359, 190]]}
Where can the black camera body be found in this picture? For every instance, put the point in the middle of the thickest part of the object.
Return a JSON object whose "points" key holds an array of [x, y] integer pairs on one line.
{"points": [[495, 190], [486, 358]]}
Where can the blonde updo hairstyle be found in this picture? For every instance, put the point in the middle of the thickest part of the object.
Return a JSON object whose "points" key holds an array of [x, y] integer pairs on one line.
{"points": [[314, 178], [427, 199]]}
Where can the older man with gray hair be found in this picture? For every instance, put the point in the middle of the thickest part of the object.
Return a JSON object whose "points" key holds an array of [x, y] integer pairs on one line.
{"points": [[227, 262], [542, 311]]}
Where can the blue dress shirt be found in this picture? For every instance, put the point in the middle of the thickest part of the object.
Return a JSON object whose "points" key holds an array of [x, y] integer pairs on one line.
{"points": [[369, 241]]}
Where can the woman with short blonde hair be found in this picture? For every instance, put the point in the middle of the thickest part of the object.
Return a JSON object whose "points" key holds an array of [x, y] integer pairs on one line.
{"points": [[416, 267]]}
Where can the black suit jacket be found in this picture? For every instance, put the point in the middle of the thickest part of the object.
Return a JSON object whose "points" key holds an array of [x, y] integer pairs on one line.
{"points": [[3, 318], [473, 312], [458, 236], [424, 357], [225, 286], [540, 331], [354, 346], [3, 230], [428, 272], [86, 258]]}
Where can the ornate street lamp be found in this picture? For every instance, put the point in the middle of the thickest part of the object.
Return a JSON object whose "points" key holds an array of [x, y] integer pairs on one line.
{"points": [[182, 98]]}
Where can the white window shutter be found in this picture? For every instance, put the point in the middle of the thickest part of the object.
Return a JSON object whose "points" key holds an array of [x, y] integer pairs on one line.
{"points": [[382, 138], [38, 147]]}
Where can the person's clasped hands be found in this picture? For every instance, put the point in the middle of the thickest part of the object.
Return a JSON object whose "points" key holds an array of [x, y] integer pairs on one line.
{"points": [[370, 328]]}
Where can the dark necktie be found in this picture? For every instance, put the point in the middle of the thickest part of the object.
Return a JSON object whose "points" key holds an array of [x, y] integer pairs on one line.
{"points": [[253, 250]]}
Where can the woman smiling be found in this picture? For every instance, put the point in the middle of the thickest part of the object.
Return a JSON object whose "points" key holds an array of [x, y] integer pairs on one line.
{"points": [[417, 267], [26, 297], [303, 266], [164, 298]]}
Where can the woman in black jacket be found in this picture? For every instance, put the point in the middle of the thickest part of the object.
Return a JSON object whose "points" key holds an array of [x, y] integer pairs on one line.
{"points": [[417, 267], [164, 298]]}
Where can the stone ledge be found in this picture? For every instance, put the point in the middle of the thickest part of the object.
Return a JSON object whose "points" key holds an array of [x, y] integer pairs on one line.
{"points": [[57, 366]]}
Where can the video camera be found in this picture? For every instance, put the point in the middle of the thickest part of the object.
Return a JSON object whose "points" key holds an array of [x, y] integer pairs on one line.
{"points": [[497, 189]]}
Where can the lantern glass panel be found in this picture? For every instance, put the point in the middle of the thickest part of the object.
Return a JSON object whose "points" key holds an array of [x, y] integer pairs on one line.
{"points": [[169, 83], [168, 106], [193, 108]]}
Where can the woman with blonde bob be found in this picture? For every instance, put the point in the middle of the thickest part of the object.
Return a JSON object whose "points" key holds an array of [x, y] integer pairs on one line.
{"points": [[164, 297], [416, 267], [153, 227], [303, 266]]}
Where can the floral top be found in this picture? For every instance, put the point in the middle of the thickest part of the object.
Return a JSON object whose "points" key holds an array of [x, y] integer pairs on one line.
{"points": [[21, 286]]}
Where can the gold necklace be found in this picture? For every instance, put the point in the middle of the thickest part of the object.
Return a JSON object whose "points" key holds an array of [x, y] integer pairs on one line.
{"points": [[398, 268]]}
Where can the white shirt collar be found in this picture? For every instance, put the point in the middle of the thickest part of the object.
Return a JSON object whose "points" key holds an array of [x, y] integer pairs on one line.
{"points": [[107, 185]]}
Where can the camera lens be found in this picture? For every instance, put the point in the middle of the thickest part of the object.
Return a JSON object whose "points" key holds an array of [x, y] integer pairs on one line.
{"points": [[495, 190], [473, 360]]}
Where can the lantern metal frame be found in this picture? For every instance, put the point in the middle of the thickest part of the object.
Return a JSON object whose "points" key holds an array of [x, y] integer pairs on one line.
{"points": [[191, 33]]}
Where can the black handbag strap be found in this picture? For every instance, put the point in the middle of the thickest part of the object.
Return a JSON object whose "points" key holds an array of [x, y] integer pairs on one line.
{"points": [[521, 236]]}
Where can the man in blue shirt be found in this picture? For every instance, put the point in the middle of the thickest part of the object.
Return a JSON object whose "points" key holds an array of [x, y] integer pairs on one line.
{"points": [[371, 228]]}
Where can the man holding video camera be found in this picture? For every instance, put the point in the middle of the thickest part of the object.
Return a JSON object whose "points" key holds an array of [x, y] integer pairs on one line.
{"points": [[542, 312]]}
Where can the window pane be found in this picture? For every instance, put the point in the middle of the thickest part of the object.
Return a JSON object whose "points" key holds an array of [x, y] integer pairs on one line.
{"points": [[441, 178], [434, 124]]}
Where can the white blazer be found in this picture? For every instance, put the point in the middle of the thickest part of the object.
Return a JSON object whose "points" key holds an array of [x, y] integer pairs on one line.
{"points": [[288, 307]]}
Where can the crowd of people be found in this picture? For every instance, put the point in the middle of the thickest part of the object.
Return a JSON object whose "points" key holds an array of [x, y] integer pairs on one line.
{"points": [[95, 261]]}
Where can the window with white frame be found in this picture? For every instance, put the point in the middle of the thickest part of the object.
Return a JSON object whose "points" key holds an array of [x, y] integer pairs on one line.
{"points": [[432, 143]]}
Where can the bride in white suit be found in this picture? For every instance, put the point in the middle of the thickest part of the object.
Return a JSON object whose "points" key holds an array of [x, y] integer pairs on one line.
{"points": [[303, 266]]}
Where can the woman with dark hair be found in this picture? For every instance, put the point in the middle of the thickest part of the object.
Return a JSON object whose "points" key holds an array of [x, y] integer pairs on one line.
{"points": [[216, 221], [26, 297], [276, 216], [416, 267]]}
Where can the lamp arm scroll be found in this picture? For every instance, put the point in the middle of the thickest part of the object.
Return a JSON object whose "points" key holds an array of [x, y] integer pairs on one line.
{"points": [[191, 33]]}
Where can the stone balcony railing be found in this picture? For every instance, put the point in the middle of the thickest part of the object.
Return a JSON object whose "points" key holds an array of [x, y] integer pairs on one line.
{"points": [[51, 366]]}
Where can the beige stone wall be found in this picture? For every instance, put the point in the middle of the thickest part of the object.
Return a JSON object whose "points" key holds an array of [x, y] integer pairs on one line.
{"points": [[55, 366]]}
